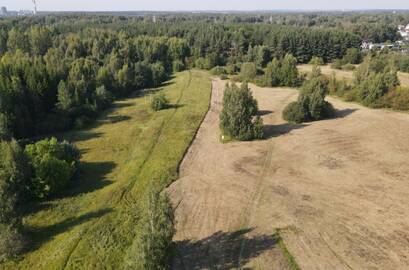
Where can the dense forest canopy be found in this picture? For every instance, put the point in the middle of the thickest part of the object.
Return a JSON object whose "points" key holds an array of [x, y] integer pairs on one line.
{"points": [[57, 72]]}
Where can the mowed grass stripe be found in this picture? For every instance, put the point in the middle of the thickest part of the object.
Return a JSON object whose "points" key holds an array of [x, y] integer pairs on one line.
{"points": [[91, 228]]}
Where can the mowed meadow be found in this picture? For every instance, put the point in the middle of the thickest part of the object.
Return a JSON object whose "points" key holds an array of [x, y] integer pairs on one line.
{"points": [[93, 224]]}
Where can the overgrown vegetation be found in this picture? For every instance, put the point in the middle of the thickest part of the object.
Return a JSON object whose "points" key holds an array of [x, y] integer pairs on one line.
{"points": [[159, 102], [239, 117], [53, 165], [152, 247]]}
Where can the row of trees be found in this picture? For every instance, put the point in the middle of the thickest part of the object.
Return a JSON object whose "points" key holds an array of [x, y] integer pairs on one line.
{"points": [[376, 83], [39, 171]]}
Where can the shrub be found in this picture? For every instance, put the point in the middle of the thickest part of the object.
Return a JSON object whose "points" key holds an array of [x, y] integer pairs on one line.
{"points": [[223, 77], [397, 99], [273, 73], [158, 74], [294, 113], [231, 69], [337, 64], [4, 127], [311, 104], [54, 164], [206, 62], [82, 122], [217, 71], [159, 102], [248, 71], [338, 88], [238, 117], [316, 61], [353, 56], [12, 241], [178, 66], [289, 71], [103, 98], [348, 67]]}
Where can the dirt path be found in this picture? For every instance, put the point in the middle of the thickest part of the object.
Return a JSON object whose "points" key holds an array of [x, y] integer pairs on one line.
{"points": [[337, 188]]}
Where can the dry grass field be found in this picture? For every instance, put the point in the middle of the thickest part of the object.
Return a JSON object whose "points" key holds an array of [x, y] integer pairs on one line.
{"points": [[336, 191], [347, 75]]}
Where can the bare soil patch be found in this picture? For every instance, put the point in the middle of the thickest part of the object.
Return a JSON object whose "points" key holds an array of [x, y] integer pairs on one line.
{"points": [[338, 190]]}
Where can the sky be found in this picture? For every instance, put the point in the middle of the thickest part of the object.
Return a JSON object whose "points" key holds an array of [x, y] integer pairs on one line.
{"points": [[179, 5]]}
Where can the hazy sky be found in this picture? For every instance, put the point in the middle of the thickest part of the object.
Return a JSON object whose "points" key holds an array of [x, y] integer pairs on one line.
{"points": [[135, 5]]}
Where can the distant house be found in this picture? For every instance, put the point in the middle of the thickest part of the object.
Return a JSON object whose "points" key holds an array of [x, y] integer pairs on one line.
{"points": [[404, 31]]}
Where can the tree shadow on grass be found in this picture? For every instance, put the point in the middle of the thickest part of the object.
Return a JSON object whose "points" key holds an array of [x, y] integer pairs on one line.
{"points": [[40, 235], [221, 250], [271, 131], [91, 176], [174, 106], [115, 119]]}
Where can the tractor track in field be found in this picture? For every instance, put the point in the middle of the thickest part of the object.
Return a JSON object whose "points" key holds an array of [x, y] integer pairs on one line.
{"points": [[126, 195], [249, 211], [339, 186]]}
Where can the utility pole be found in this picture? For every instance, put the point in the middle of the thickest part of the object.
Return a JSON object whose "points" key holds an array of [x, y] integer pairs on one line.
{"points": [[35, 7]]}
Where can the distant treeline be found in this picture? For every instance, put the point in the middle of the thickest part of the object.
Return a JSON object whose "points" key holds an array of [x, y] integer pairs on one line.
{"points": [[58, 72]]}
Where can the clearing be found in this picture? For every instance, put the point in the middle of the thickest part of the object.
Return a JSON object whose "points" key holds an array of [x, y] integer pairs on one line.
{"points": [[337, 190], [347, 75], [93, 224]]}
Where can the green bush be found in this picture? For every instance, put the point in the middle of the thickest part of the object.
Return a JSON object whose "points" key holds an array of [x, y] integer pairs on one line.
{"points": [[159, 102], [4, 127], [338, 88], [103, 98], [337, 64], [348, 67], [316, 61], [207, 62], [311, 104], [82, 122], [178, 66], [217, 71], [238, 118], [248, 71], [158, 74], [231, 69], [397, 99], [224, 77], [353, 56], [54, 164], [12, 241], [289, 71], [272, 75], [295, 113]]}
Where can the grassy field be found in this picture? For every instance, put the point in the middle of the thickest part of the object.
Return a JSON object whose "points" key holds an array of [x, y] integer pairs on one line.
{"points": [[93, 225]]}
